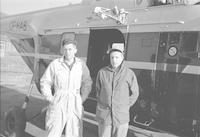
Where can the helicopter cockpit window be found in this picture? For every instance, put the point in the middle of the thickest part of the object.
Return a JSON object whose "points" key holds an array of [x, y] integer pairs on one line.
{"points": [[49, 44], [188, 50], [189, 42], [174, 38]]}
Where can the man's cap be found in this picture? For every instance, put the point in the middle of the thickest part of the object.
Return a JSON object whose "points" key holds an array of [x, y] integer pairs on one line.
{"points": [[68, 38], [69, 41], [117, 47]]}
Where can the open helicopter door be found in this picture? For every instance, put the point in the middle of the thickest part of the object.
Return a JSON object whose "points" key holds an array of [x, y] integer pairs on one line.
{"points": [[100, 41], [99, 44]]}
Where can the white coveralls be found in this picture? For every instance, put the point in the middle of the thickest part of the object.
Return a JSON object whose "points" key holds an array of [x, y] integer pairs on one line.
{"points": [[65, 106]]}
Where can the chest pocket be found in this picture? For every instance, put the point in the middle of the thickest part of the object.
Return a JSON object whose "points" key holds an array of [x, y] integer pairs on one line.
{"points": [[69, 79], [61, 78]]}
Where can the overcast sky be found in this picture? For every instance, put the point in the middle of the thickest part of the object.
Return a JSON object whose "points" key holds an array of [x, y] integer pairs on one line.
{"points": [[12, 7]]}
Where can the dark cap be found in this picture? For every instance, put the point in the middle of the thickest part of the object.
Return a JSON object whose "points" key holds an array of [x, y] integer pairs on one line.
{"points": [[69, 41]]}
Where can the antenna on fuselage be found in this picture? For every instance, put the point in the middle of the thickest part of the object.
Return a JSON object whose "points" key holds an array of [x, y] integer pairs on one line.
{"points": [[120, 15]]}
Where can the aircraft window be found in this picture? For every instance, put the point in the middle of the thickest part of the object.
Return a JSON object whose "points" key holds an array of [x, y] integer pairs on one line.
{"points": [[174, 38], [30, 41], [82, 40], [27, 45], [189, 42], [188, 48], [142, 45], [50, 44]]}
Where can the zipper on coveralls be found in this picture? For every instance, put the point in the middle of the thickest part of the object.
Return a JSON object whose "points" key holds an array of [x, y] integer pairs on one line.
{"points": [[68, 79], [112, 97]]}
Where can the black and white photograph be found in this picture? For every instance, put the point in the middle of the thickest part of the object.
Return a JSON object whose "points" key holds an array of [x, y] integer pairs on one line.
{"points": [[100, 68]]}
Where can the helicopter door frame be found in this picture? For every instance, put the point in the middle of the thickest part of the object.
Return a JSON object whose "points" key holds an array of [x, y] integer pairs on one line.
{"points": [[104, 36]]}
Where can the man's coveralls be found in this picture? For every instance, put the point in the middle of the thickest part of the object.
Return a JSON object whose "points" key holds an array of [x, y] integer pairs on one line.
{"points": [[71, 87]]}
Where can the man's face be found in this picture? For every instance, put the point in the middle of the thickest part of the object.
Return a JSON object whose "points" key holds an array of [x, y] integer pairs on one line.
{"points": [[69, 51], [116, 58]]}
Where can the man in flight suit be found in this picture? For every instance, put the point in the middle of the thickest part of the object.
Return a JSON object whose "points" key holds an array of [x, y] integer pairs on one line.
{"points": [[70, 78]]}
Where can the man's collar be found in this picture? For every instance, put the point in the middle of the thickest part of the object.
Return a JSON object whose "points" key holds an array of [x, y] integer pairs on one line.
{"points": [[117, 69], [62, 59]]}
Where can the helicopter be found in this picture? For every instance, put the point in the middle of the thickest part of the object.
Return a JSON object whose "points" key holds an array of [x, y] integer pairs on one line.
{"points": [[162, 46]]}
